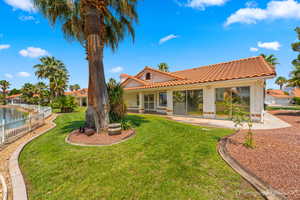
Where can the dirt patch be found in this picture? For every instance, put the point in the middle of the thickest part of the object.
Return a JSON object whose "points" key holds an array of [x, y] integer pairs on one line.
{"points": [[98, 139], [276, 156]]}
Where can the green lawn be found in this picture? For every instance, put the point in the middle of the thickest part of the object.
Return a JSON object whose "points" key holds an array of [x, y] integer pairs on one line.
{"points": [[270, 108], [165, 160]]}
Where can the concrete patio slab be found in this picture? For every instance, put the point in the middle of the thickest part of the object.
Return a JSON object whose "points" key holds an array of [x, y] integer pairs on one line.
{"points": [[270, 122]]}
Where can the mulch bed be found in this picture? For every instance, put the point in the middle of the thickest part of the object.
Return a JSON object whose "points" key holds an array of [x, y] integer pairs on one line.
{"points": [[98, 139], [276, 156]]}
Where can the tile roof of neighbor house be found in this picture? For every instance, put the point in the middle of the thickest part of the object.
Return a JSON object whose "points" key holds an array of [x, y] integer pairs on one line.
{"points": [[78, 93], [278, 94], [239, 69], [14, 96]]}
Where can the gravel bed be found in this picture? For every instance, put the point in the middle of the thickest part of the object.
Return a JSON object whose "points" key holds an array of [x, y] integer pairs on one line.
{"points": [[276, 156]]}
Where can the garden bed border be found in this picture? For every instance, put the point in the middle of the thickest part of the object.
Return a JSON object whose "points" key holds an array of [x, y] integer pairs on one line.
{"points": [[17, 180], [99, 145]]}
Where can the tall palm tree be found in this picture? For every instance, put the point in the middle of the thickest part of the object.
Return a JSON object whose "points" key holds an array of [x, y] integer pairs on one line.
{"points": [[163, 67], [28, 92], [271, 59], [281, 81], [56, 72], [96, 24], [4, 85], [295, 73]]}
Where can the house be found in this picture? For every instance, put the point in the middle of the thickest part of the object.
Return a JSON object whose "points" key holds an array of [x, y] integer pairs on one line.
{"points": [[208, 91], [13, 99], [278, 98], [81, 96]]}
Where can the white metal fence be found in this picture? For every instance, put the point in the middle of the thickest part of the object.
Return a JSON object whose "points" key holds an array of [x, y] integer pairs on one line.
{"points": [[15, 128]]}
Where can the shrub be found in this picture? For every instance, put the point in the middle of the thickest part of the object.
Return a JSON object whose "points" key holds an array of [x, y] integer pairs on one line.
{"points": [[116, 101], [66, 104], [296, 100], [126, 125]]}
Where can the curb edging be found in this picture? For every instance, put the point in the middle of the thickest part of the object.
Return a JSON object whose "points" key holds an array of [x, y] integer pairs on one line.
{"points": [[99, 145], [4, 187], [17, 180], [266, 190]]}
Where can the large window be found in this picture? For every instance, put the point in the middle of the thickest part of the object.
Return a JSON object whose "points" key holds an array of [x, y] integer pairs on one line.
{"points": [[188, 102], [226, 98], [163, 99]]}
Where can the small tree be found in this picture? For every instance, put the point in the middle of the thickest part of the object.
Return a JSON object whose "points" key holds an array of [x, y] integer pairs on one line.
{"points": [[271, 59], [66, 104], [4, 85], [240, 119]]}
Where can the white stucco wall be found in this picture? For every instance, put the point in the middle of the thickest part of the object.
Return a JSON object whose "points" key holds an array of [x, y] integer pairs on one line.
{"points": [[209, 107], [270, 100]]}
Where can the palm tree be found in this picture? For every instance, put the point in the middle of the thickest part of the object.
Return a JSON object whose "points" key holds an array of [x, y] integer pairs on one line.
{"points": [[4, 85], [56, 72], [74, 87], [28, 92], [295, 73], [43, 93], [271, 59], [281, 81], [163, 67], [95, 24]]}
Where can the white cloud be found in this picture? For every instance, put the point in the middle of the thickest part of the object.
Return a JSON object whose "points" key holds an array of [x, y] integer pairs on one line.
{"points": [[251, 4], [23, 74], [287, 9], [167, 38], [33, 52], [116, 69], [4, 46], [25, 5], [201, 4], [29, 18], [253, 49], [269, 45], [10, 76]]}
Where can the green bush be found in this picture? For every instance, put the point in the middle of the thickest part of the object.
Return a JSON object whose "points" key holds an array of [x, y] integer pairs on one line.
{"points": [[126, 125], [297, 100], [66, 104]]}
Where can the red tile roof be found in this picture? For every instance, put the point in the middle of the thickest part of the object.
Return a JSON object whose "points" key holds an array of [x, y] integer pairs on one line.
{"points": [[78, 93], [239, 69], [14, 96], [278, 94]]}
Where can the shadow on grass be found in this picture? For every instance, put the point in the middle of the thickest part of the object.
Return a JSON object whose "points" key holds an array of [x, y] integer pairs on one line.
{"points": [[136, 120], [70, 126]]}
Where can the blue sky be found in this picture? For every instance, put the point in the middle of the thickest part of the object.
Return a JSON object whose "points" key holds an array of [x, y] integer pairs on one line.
{"points": [[183, 33]]}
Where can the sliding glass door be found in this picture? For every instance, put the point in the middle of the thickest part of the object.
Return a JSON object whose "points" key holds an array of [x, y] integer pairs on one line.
{"points": [[226, 98], [188, 102]]}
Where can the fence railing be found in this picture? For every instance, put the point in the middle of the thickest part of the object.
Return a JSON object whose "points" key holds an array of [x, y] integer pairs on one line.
{"points": [[16, 128]]}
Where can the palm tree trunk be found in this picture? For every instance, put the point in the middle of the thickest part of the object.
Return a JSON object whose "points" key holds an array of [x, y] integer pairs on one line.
{"points": [[95, 47], [89, 115]]}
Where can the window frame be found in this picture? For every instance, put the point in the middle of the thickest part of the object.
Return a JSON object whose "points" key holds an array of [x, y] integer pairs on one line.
{"points": [[162, 102]]}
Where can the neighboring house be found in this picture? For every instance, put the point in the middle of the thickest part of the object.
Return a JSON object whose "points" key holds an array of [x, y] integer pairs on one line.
{"points": [[81, 96], [278, 98], [207, 91], [16, 98]]}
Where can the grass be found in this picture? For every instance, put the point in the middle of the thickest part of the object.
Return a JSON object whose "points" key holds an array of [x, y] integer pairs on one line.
{"points": [[165, 160], [283, 108]]}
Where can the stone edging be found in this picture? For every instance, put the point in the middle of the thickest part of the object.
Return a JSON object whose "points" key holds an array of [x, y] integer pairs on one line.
{"points": [[263, 188], [4, 187], [18, 183], [99, 145]]}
